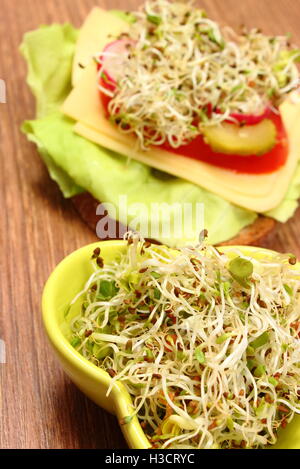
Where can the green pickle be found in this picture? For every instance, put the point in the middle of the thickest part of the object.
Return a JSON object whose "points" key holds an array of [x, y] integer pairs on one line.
{"points": [[241, 140]]}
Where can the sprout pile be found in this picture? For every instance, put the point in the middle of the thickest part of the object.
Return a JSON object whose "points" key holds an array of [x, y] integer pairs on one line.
{"points": [[207, 344], [184, 72]]}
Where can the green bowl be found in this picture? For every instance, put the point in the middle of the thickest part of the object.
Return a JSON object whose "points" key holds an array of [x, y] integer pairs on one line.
{"points": [[65, 282]]}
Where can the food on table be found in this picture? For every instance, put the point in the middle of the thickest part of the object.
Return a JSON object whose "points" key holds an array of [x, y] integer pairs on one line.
{"points": [[206, 343], [172, 78], [194, 100], [238, 156]]}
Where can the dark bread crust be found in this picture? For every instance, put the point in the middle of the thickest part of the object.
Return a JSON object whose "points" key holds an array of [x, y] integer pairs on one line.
{"points": [[254, 234]]}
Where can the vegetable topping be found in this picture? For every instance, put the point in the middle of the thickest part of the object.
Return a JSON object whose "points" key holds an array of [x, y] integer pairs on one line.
{"points": [[183, 73]]}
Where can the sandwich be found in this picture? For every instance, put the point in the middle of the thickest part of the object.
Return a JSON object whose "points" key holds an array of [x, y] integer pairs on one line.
{"points": [[166, 106]]}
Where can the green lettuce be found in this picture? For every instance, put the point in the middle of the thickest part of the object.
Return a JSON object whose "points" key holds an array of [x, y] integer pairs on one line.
{"points": [[77, 164]]}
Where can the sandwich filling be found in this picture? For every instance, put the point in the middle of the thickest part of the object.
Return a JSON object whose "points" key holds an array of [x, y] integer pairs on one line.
{"points": [[180, 81]]}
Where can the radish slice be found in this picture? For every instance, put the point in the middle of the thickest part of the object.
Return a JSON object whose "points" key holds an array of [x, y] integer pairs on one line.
{"points": [[112, 60], [250, 119]]}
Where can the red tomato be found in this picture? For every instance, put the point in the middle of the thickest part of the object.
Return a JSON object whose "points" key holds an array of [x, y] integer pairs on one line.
{"points": [[253, 164], [105, 99]]}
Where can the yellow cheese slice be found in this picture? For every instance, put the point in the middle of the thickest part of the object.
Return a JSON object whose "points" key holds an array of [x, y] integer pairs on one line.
{"points": [[194, 172], [100, 28], [259, 193]]}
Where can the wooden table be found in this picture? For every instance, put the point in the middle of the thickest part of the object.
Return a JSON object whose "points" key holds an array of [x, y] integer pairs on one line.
{"points": [[39, 406]]}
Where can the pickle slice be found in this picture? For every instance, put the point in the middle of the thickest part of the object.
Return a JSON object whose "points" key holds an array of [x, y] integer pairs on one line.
{"points": [[246, 140]]}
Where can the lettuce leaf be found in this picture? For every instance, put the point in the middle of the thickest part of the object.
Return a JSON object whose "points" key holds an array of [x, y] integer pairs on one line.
{"points": [[77, 164]]}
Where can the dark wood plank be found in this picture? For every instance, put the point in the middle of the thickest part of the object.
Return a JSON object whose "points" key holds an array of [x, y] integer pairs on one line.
{"points": [[39, 407]]}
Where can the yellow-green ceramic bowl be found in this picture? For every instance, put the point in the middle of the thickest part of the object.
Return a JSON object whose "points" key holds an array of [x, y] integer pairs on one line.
{"points": [[66, 281]]}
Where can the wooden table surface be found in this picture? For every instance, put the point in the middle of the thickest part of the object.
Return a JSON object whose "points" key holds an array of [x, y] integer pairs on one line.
{"points": [[39, 406]]}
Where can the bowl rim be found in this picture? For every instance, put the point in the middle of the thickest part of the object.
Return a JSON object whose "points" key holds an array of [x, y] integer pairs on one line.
{"points": [[119, 395], [121, 399]]}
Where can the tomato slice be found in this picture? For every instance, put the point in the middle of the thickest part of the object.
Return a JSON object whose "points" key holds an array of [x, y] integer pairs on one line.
{"points": [[252, 164], [105, 99]]}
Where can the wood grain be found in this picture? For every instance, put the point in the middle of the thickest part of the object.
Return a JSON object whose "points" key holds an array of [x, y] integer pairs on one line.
{"points": [[39, 407]]}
